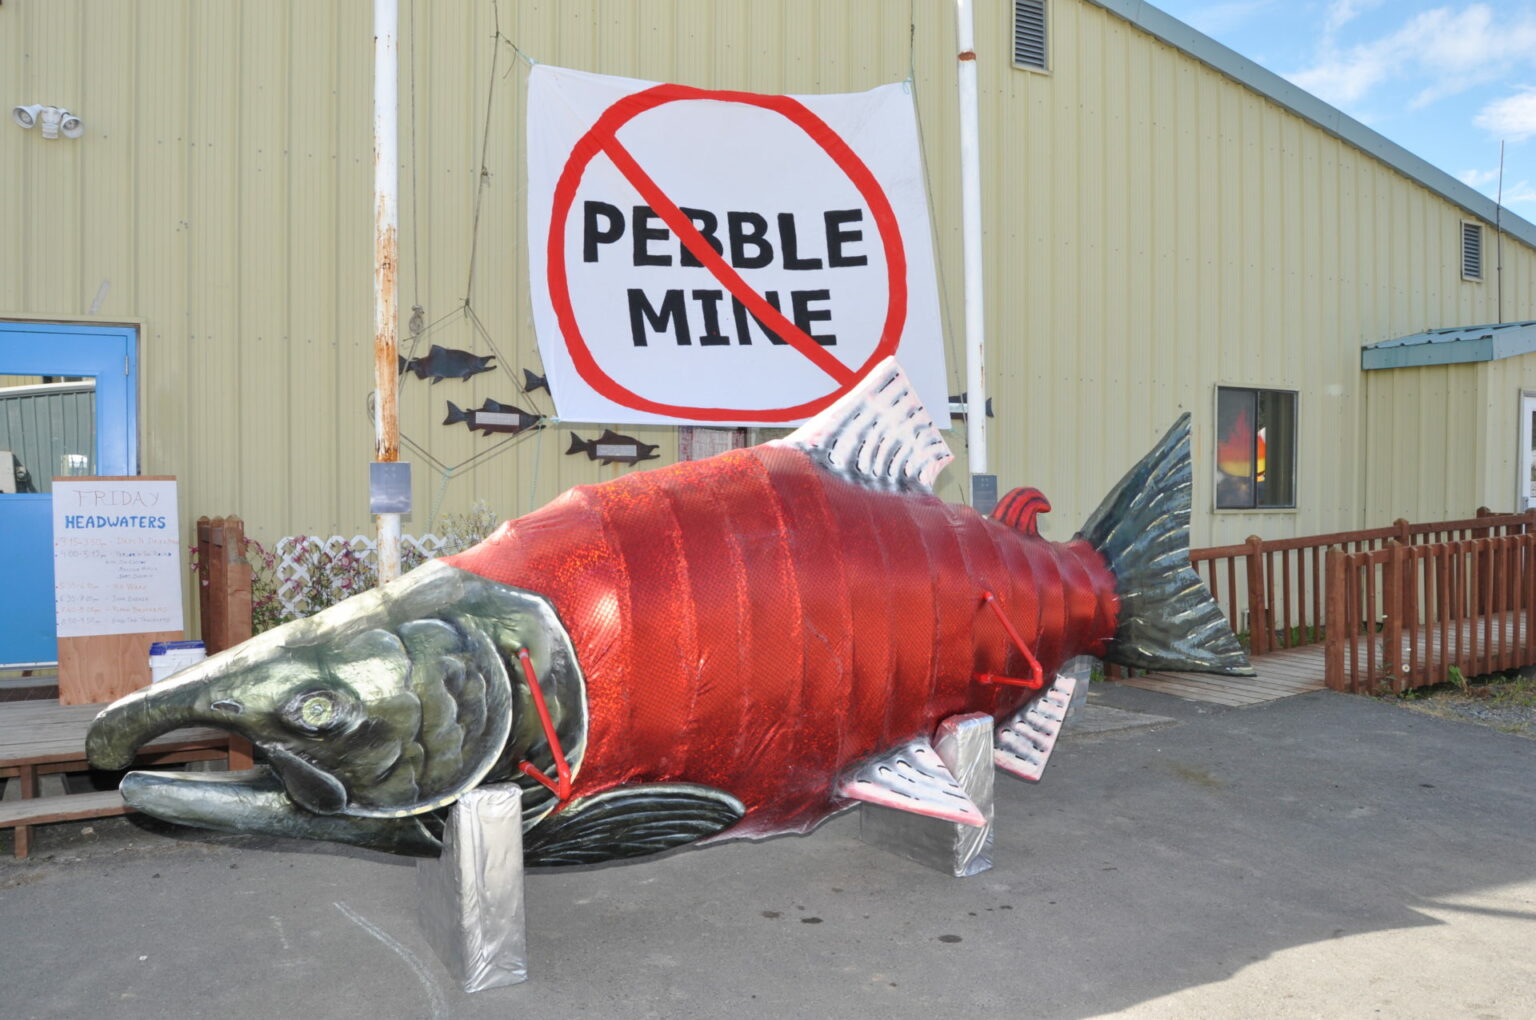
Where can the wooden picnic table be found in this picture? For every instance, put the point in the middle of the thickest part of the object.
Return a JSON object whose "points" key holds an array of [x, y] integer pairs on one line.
{"points": [[42, 737]]}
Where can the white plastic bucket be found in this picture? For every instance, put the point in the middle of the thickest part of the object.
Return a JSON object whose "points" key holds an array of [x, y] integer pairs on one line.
{"points": [[167, 658]]}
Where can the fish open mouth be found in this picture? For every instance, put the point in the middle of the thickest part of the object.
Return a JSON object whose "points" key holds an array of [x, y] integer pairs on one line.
{"points": [[372, 715]]}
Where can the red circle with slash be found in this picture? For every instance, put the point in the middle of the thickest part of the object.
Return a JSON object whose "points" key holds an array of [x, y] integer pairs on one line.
{"points": [[602, 139]]}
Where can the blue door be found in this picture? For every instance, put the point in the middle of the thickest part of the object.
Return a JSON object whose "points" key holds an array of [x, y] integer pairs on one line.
{"points": [[64, 426]]}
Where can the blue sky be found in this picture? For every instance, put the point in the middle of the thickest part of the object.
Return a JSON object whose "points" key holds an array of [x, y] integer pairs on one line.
{"points": [[1447, 81]]}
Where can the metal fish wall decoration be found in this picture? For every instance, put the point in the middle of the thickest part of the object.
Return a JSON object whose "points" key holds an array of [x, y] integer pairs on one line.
{"points": [[959, 403], [446, 363], [612, 448], [492, 417]]}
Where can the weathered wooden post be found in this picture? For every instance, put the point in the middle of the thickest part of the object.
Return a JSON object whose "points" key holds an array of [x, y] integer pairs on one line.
{"points": [[224, 599], [1392, 652], [1335, 626], [1258, 614]]}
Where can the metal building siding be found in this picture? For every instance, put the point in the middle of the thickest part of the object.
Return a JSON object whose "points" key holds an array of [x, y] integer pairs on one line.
{"points": [[1503, 383], [1257, 250], [1153, 228], [40, 426]]}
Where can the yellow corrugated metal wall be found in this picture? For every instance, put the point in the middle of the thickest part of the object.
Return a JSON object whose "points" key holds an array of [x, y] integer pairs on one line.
{"points": [[1153, 229], [1504, 382]]}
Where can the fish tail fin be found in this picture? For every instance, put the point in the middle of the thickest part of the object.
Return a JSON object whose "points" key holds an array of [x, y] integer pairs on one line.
{"points": [[455, 415], [1168, 619], [577, 445]]}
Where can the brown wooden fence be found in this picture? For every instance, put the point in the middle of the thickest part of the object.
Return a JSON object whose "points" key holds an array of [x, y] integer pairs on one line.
{"points": [[1402, 616], [1275, 591]]}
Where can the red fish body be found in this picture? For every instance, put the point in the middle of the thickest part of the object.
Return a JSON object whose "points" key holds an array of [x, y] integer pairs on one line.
{"points": [[732, 647], [755, 622]]}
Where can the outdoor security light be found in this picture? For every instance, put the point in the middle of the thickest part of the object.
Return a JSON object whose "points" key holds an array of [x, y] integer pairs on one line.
{"points": [[55, 121]]}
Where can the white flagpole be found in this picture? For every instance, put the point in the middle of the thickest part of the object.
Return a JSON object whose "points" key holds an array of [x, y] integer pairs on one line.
{"points": [[970, 224]]}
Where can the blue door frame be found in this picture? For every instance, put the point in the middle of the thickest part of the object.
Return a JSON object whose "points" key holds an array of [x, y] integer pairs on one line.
{"points": [[110, 355]]}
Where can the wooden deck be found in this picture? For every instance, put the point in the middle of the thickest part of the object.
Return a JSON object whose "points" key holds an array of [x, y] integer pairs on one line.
{"points": [[1484, 644], [42, 737], [1281, 674]]}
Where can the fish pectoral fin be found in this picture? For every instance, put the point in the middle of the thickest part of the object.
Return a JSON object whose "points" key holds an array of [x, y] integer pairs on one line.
{"points": [[630, 821], [1024, 743], [912, 778]]}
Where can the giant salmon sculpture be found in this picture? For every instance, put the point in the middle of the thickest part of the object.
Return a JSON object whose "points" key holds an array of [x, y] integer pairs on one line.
{"points": [[734, 647]]}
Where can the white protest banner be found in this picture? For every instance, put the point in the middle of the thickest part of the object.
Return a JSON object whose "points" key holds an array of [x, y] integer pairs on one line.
{"points": [[116, 556], [708, 257]]}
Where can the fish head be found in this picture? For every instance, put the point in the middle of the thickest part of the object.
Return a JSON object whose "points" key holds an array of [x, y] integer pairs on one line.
{"points": [[388, 705]]}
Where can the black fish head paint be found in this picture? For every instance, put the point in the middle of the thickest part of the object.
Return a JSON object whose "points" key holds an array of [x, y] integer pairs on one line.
{"points": [[384, 708]]}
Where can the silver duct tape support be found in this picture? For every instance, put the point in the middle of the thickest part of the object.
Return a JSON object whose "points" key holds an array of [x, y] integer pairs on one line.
{"points": [[964, 744], [470, 901], [1080, 669]]}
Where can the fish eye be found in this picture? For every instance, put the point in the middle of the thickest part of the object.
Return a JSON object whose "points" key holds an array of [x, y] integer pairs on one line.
{"points": [[315, 711]]}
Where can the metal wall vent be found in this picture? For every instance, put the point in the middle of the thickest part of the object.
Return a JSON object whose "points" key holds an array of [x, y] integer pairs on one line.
{"points": [[1029, 33], [1472, 251]]}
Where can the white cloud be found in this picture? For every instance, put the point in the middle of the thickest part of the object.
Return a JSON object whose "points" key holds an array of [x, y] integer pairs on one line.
{"points": [[1523, 193], [1478, 178], [1342, 12], [1512, 118], [1450, 49]]}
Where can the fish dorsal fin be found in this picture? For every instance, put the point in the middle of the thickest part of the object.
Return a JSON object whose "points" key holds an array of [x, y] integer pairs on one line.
{"points": [[878, 434], [912, 778], [1021, 509]]}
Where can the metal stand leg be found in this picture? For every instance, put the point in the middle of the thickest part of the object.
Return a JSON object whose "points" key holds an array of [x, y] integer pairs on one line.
{"points": [[964, 743], [470, 901]]}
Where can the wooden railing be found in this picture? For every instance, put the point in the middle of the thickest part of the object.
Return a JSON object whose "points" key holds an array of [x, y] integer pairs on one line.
{"points": [[1275, 592], [1402, 616]]}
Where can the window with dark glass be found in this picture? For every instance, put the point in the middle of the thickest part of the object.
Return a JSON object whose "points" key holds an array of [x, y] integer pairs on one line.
{"points": [[1255, 448]]}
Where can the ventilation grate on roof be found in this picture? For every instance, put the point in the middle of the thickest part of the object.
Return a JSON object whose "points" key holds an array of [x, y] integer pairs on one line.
{"points": [[1472, 251], [1029, 33]]}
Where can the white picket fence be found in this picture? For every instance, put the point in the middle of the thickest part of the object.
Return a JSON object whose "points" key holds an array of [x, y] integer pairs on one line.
{"points": [[309, 567]]}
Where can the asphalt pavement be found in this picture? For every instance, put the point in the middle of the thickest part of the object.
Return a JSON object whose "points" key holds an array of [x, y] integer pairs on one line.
{"points": [[1319, 856]]}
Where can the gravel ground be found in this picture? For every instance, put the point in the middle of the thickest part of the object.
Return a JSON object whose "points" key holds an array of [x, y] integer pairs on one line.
{"points": [[1507, 706]]}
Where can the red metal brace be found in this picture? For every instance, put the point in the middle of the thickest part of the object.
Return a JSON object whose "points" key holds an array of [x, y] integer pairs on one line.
{"points": [[561, 788], [1037, 675]]}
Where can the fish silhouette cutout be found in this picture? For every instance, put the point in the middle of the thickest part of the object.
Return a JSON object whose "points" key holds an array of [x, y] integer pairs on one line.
{"points": [[446, 363], [612, 448], [959, 403], [492, 417], [534, 381]]}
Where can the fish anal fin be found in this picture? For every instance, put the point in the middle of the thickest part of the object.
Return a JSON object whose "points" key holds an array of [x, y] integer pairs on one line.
{"points": [[630, 821], [911, 778], [1026, 740]]}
